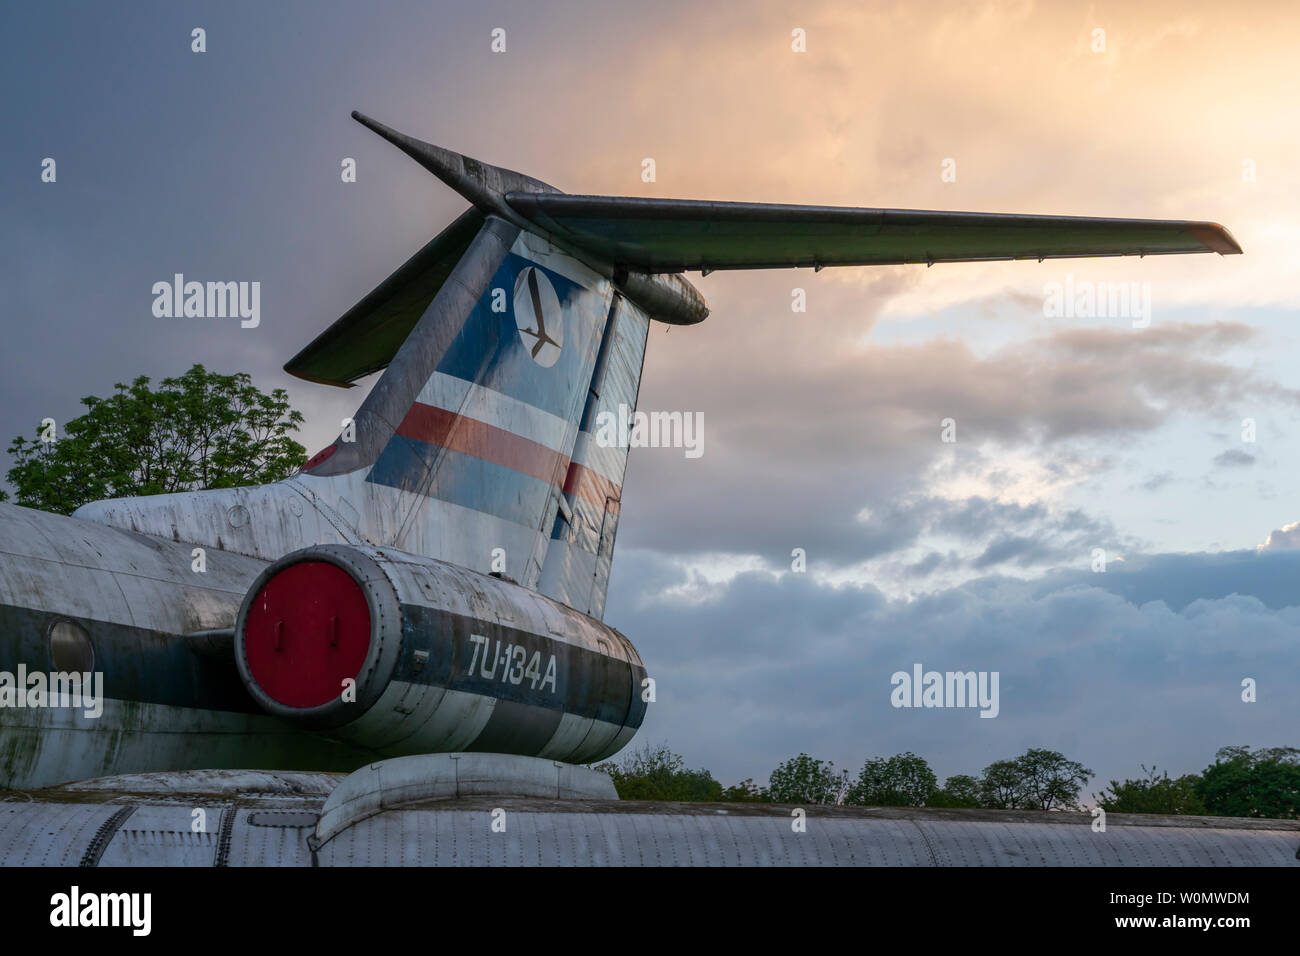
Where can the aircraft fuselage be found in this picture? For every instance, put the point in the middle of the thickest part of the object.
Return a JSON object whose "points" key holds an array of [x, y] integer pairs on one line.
{"points": [[475, 662]]}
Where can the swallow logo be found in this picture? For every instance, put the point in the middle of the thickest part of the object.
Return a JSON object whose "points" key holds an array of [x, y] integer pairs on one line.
{"points": [[539, 317]]}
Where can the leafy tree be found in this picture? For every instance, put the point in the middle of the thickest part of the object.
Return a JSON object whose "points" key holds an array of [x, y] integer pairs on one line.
{"points": [[1037, 779], [1051, 782], [201, 430], [802, 779], [746, 792], [959, 790], [1154, 793], [656, 773], [1002, 786], [1265, 783], [903, 780]]}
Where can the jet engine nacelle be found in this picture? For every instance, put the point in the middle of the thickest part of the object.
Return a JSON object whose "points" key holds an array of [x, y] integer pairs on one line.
{"points": [[667, 297], [403, 654]]}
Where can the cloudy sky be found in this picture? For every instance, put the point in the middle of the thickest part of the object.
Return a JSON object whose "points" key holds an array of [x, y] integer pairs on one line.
{"points": [[822, 428]]}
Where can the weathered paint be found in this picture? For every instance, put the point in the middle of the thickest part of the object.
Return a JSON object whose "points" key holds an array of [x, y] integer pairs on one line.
{"points": [[169, 705], [274, 820], [410, 781], [675, 235], [581, 550], [457, 661], [464, 446], [166, 705]]}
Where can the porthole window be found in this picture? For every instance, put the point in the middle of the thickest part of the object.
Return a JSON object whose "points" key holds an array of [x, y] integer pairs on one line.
{"points": [[70, 649]]}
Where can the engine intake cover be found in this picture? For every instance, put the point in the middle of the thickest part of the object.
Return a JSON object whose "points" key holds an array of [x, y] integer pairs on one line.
{"points": [[311, 623]]}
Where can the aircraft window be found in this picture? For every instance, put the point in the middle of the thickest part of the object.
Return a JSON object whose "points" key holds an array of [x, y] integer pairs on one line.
{"points": [[70, 648]]}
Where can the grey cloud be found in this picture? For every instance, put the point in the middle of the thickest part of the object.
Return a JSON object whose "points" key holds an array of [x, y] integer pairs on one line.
{"points": [[1156, 482], [796, 448], [1021, 550], [1098, 666], [1234, 458], [1178, 580], [927, 565]]}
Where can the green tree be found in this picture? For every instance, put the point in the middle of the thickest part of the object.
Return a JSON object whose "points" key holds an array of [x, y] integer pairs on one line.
{"points": [[802, 779], [200, 430], [903, 780], [1263, 783], [1002, 786], [959, 790], [1051, 782], [656, 773], [1154, 793], [745, 792], [1037, 779]]}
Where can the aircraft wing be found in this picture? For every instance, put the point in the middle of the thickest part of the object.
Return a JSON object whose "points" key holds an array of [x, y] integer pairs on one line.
{"points": [[677, 235], [369, 334]]}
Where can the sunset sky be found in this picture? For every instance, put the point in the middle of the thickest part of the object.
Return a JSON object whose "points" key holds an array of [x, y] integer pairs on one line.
{"points": [[821, 429]]}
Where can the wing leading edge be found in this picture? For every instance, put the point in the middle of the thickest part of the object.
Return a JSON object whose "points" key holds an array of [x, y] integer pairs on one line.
{"points": [[676, 235]]}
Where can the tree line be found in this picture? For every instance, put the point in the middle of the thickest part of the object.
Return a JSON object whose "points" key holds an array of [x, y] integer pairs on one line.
{"points": [[1240, 783]]}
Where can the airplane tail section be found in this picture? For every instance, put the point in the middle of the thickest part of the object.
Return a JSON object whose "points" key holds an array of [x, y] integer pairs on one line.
{"points": [[510, 333], [513, 331], [462, 449], [501, 349]]}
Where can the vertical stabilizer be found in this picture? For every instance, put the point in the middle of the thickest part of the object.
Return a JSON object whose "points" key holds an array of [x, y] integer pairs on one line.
{"points": [[463, 447]]}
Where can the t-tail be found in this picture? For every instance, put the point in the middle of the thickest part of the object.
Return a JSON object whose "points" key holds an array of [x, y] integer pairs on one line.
{"points": [[502, 348]]}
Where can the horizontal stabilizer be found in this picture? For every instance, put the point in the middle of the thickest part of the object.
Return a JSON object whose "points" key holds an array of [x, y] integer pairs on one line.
{"points": [[367, 337], [677, 235]]}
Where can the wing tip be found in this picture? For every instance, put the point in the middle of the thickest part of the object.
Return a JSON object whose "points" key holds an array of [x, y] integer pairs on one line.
{"points": [[296, 367], [1216, 238]]}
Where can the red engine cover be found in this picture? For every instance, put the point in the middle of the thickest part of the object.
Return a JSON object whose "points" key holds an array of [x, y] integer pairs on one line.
{"points": [[307, 631]]}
